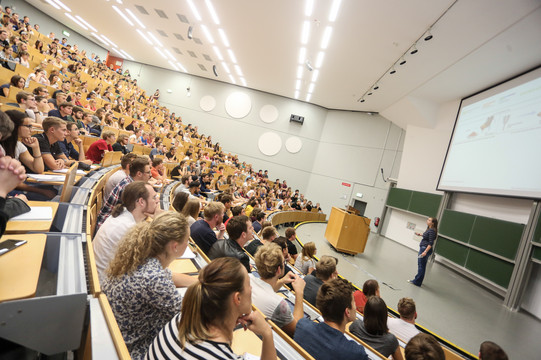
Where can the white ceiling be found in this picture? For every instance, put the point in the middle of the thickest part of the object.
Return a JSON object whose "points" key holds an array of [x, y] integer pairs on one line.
{"points": [[476, 43]]}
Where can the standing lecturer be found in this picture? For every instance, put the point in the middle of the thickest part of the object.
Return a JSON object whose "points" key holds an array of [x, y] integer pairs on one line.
{"points": [[425, 249]]}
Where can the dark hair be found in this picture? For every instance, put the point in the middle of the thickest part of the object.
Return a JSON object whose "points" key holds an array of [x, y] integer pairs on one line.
{"points": [[491, 351], [225, 198], [370, 287], [375, 316], [138, 165], [205, 302], [6, 126], [406, 308], [423, 347], [236, 226], [281, 241], [290, 232], [131, 193], [127, 159], [70, 125], [17, 119], [333, 298], [15, 80], [236, 210], [180, 200], [156, 161]]}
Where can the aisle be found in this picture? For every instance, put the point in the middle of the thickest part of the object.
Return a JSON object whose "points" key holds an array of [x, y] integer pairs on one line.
{"points": [[465, 317]]}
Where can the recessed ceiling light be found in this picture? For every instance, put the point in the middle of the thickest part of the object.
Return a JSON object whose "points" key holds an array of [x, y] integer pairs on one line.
{"points": [[232, 56], [302, 55], [232, 79], [156, 41], [298, 85], [122, 15], [319, 59], [86, 23], [181, 67], [243, 81], [109, 41], [169, 54], [53, 4], [221, 32], [296, 94], [194, 10], [334, 10], [309, 7], [212, 12], [299, 72], [315, 75], [126, 54], [135, 18], [311, 88], [238, 70], [144, 36], [308, 97], [226, 68], [207, 34], [326, 37], [160, 52], [172, 65], [61, 4], [76, 21], [218, 53]]}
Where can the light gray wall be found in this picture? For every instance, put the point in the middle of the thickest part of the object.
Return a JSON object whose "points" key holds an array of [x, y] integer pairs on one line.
{"points": [[48, 24]]}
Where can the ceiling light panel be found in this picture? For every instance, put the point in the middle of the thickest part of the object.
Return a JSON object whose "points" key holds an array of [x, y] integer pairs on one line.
{"points": [[109, 41], [207, 34], [335, 7], [298, 85], [172, 65], [305, 32], [160, 52], [132, 15], [238, 70], [319, 59], [299, 72], [296, 94], [156, 41], [232, 79], [122, 15], [243, 81], [212, 12], [218, 53], [226, 68], [232, 56], [181, 67], [53, 4], [311, 88], [308, 8], [86, 23], [144, 36], [225, 41], [195, 12], [76, 21], [308, 97], [315, 75], [61, 4], [326, 37], [302, 55]]}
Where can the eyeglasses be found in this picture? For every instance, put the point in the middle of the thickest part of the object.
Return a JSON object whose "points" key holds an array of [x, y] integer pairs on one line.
{"points": [[28, 126]]}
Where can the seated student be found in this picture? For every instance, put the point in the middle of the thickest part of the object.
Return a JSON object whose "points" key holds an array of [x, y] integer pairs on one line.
{"points": [[157, 150], [54, 130], [404, 328], [15, 81], [259, 218], [201, 230], [140, 267], [64, 111], [268, 235], [240, 231], [72, 135], [158, 170], [306, 262], [138, 200], [134, 138], [490, 351], [227, 200], [373, 329], [291, 235], [269, 262], [180, 170], [325, 272], [120, 144], [211, 309], [27, 102], [326, 340], [235, 211], [191, 210], [184, 185], [281, 241], [97, 150], [139, 171], [425, 347], [370, 288], [119, 175]]}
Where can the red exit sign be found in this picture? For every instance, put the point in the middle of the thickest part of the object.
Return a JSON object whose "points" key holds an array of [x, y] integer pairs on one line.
{"points": [[346, 184]]}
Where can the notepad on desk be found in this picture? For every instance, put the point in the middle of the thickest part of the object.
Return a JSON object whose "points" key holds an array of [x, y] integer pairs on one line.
{"points": [[45, 177], [36, 213], [188, 254], [64, 171]]}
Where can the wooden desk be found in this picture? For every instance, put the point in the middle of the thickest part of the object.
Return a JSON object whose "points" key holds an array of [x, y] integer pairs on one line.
{"points": [[20, 268], [246, 341], [24, 226]]}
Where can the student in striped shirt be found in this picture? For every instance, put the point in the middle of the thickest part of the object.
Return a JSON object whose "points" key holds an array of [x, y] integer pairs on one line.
{"points": [[211, 309]]}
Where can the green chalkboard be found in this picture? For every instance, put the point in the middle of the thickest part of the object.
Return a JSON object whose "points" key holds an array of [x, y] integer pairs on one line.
{"points": [[451, 250], [536, 253], [399, 198], [497, 236], [425, 203], [456, 225], [489, 267]]}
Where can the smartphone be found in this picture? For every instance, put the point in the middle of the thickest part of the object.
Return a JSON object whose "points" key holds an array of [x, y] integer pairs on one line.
{"points": [[10, 244]]}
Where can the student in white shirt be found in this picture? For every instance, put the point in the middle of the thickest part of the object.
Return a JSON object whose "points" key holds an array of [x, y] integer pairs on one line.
{"points": [[404, 328]]}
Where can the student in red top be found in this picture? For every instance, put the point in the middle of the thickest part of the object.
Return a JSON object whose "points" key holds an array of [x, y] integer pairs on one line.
{"points": [[97, 150]]}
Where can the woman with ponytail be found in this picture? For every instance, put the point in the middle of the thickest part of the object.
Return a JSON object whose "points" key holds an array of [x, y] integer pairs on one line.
{"points": [[139, 285], [211, 309]]}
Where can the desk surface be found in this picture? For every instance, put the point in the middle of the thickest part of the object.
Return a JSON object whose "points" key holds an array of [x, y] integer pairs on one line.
{"points": [[246, 341], [24, 226], [20, 268]]}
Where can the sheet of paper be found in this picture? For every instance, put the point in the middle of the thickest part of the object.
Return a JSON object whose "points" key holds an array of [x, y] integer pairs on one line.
{"points": [[188, 254], [45, 177], [36, 213], [64, 171]]}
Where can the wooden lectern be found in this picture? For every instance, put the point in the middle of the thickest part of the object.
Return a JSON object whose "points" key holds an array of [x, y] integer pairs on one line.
{"points": [[347, 232]]}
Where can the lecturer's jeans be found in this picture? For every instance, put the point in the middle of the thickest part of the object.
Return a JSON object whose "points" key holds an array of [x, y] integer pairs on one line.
{"points": [[421, 267]]}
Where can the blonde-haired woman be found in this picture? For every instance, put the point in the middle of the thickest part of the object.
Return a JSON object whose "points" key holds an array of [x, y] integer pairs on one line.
{"points": [[139, 286], [212, 308], [306, 262]]}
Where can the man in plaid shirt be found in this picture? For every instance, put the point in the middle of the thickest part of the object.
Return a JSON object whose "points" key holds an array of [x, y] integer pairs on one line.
{"points": [[139, 171]]}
